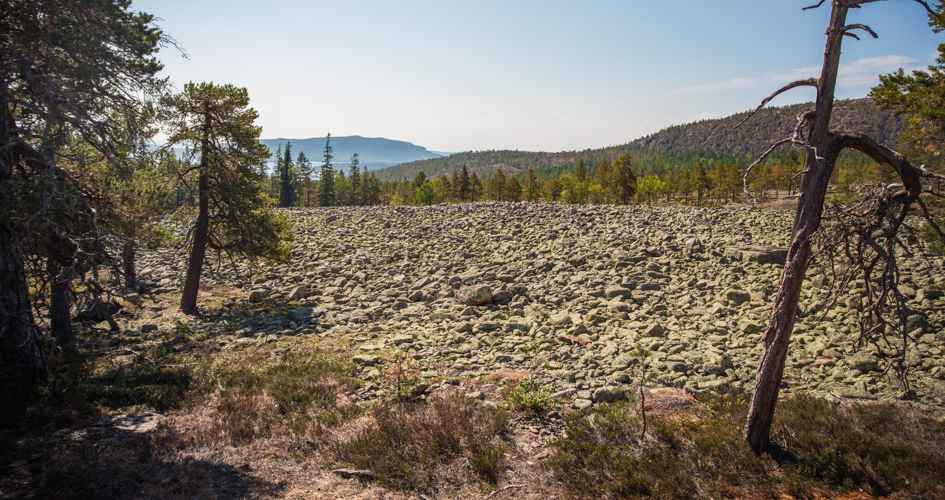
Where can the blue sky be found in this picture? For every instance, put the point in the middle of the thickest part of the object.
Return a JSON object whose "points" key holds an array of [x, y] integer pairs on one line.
{"points": [[530, 75]]}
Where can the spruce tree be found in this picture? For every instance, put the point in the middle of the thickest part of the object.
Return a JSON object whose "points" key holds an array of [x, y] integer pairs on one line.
{"points": [[513, 190], [354, 175], [304, 167], [532, 188], [454, 184], [326, 188], [580, 171], [465, 187], [287, 180], [624, 184], [475, 187]]}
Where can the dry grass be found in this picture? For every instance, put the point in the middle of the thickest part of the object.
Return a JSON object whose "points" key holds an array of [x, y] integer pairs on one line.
{"points": [[409, 445], [823, 450]]}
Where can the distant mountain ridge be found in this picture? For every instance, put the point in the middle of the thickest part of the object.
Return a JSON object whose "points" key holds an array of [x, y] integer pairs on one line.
{"points": [[674, 147], [373, 152]]}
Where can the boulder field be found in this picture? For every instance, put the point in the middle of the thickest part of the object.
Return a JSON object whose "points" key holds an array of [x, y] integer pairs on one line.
{"points": [[569, 294]]}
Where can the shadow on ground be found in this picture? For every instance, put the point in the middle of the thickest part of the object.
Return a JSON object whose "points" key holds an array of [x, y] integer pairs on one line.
{"points": [[122, 458]]}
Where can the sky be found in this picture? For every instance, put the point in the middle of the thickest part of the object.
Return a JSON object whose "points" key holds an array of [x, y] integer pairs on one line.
{"points": [[543, 75]]}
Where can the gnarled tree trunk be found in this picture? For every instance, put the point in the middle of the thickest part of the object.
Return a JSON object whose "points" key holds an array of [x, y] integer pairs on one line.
{"points": [[823, 148]]}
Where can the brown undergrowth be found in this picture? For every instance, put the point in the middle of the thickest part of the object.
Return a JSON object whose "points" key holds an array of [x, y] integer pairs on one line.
{"points": [[820, 450]]}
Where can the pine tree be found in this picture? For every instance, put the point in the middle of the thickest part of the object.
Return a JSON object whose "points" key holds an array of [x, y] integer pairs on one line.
{"points": [[513, 190], [215, 123], [286, 178], [580, 171], [326, 195], [624, 182], [304, 167], [354, 175], [465, 186], [72, 72], [699, 181], [532, 188]]}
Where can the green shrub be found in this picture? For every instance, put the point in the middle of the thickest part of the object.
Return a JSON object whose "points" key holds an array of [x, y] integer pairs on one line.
{"points": [[527, 394]]}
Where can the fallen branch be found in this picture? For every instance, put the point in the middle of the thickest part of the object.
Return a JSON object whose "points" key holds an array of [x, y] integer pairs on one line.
{"points": [[509, 487]]}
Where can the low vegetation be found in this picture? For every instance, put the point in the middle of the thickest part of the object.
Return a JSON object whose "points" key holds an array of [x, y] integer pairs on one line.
{"points": [[408, 445], [821, 448]]}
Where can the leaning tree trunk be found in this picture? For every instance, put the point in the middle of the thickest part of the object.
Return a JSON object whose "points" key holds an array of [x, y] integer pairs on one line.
{"points": [[188, 298], [806, 221]]}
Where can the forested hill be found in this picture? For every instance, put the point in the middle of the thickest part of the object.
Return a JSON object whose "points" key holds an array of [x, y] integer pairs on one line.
{"points": [[771, 124], [672, 148]]}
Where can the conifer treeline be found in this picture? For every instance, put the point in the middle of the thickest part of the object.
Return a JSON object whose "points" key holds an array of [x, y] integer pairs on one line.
{"points": [[625, 181], [711, 178]]}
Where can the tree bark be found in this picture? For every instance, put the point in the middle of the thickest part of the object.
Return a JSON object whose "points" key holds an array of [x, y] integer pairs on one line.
{"points": [[128, 265], [60, 317], [198, 252], [806, 221], [22, 353]]}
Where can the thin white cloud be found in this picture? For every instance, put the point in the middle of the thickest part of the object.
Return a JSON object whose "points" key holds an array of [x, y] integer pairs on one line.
{"points": [[853, 74], [734, 83]]}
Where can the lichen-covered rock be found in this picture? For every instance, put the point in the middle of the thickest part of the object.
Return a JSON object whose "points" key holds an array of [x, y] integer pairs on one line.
{"points": [[474, 295]]}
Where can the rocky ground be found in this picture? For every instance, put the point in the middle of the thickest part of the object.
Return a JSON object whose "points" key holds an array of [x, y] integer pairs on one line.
{"points": [[563, 294], [473, 298]]}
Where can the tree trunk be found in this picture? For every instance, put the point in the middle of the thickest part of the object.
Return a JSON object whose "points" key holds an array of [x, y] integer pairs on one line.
{"points": [[806, 221], [22, 353], [188, 298], [128, 265], [60, 317]]}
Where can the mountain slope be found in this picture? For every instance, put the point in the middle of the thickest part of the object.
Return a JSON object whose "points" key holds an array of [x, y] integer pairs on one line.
{"points": [[373, 153], [675, 147]]}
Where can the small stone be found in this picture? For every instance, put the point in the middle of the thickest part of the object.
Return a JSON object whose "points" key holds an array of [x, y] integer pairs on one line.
{"points": [[581, 404], [134, 298], [149, 328], [402, 339], [365, 359], [258, 295], [739, 297], [298, 293]]}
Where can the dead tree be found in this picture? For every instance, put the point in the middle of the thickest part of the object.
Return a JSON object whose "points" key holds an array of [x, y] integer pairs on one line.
{"points": [[822, 146]]}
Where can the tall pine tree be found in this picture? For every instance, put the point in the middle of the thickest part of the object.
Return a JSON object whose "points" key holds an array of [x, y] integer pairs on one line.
{"points": [[287, 179], [326, 188], [354, 174]]}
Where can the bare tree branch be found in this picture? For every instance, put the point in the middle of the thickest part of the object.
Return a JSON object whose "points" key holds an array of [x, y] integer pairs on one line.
{"points": [[863, 27], [810, 82], [758, 161], [821, 2]]}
